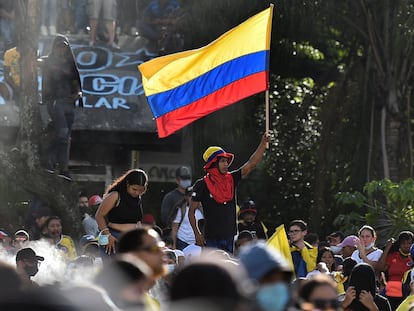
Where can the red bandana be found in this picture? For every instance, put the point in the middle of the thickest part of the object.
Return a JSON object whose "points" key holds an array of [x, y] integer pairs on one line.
{"points": [[221, 186]]}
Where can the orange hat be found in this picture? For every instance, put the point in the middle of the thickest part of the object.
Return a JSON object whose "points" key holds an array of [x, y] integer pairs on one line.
{"points": [[212, 153]]}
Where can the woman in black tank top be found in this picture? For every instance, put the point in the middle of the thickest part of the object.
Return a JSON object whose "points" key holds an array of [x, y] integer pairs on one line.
{"points": [[121, 208]]}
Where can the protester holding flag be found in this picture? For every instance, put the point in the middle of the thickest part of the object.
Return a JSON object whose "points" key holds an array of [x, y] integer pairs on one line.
{"points": [[216, 193]]}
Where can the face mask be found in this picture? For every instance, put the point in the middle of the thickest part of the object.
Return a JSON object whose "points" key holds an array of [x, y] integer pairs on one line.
{"points": [[273, 297], [335, 249], [103, 239], [31, 270], [170, 268], [185, 183], [369, 246]]}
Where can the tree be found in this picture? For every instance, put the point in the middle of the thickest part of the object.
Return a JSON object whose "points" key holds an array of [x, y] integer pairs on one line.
{"points": [[22, 164]]}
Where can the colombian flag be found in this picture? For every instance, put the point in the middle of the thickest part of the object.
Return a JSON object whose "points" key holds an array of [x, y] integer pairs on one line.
{"points": [[186, 86]]}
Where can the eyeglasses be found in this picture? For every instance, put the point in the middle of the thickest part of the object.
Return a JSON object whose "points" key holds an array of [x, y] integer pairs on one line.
{"points": [[321, 304], [294, 231], [152, 249]]}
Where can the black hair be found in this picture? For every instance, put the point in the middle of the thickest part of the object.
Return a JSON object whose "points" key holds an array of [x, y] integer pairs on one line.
{"points": [[323, 250], [131, 177], [131, 240], [52, 218], [403, 236]]}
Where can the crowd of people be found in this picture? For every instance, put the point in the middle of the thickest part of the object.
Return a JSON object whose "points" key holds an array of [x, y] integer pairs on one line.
{"points": [[207, 253], [102, 20]]}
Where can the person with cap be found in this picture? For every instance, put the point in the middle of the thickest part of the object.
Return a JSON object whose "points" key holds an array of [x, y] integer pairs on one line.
{"points": [[20, 238], [216, 193], [90, 226], [27, 265], [271, 272], [347, 246], [247, 216], [183, 180]]}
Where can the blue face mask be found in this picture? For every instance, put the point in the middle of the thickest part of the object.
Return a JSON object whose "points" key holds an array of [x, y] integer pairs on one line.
{"points": [[185, 183], [273, 297]]}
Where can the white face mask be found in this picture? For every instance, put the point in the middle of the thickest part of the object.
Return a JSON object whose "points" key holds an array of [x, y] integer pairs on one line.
{"points": [[369, 246], [170, 268], [335, 249]]}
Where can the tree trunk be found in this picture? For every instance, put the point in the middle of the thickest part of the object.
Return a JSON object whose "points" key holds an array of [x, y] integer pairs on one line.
{"points": [[22, 165]]}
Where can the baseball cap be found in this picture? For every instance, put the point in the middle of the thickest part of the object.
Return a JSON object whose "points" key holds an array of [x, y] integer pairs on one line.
{"points": [[94, 200], [259, 259], [3, 234], [350, 240], [28, 254], [183, 172]]}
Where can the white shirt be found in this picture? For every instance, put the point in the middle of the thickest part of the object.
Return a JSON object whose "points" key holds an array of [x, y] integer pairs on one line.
{"points": [[373, 256], [185, 231]]}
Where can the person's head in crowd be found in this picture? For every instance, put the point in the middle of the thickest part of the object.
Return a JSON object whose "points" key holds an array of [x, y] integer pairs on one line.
{"points": [[367, 236], [327, 256], [89, 246], [313, 239], [297, 231], [248, 212], [171, 261], [403, 243], [145, 244], [319, 293], [270, 270], [126, 281], [134, 182], [41, 215], [206, 284], [11, 282], [363, 281], [183, 178], [93, 204], [5, 238], [335, 238], [347, 246], [243, 238], [21, 237], [83, 202], [216, 158], [148, 219], [347, 266], [54, 228], [27, 262]]}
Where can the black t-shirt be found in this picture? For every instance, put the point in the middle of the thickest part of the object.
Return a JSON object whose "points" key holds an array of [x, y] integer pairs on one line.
{"points": [[255, 227], [219, 219], [127, 210]]}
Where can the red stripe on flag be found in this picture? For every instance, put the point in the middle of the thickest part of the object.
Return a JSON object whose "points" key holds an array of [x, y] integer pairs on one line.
{"points": [[177, 119]]}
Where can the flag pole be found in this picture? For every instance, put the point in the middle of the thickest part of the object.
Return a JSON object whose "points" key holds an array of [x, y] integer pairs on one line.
{"points": [[267, 113]]}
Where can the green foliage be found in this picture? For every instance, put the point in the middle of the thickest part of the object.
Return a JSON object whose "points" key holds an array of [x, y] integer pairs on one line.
{"points": [[388, 207]]}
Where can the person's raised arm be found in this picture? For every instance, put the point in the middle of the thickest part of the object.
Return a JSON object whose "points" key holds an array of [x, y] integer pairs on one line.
{"points": [[256, 157], [382, 262]]}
